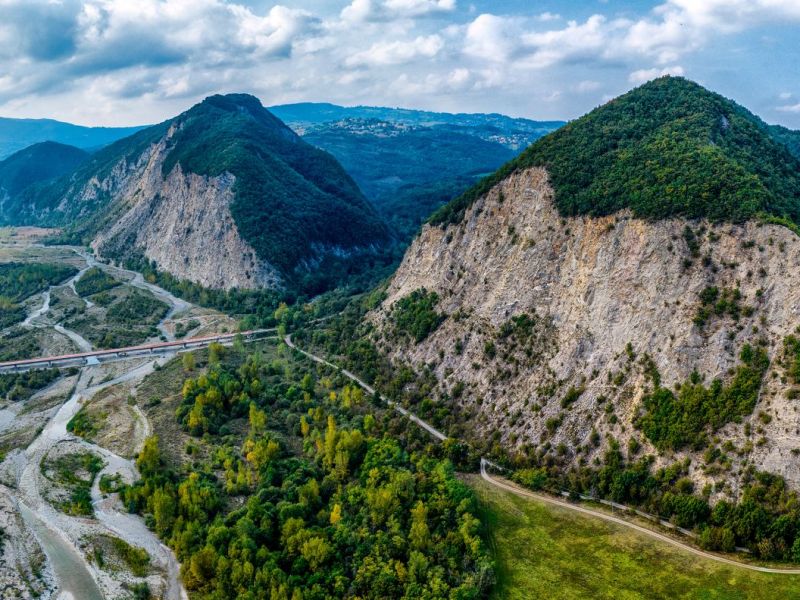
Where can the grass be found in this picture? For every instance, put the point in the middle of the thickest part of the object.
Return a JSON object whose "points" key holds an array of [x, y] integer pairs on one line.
{"points": [[548, 552], [75, 473]]}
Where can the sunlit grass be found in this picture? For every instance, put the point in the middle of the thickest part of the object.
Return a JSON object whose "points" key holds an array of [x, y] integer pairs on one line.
{"points": [[548, 552]]}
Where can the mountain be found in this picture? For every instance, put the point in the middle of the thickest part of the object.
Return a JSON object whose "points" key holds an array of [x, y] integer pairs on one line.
{"points": [[667, 148], [516, 133], [787, 137], [224, 195], [16, 134], [620, 299], [38, 163], [408, 162]]}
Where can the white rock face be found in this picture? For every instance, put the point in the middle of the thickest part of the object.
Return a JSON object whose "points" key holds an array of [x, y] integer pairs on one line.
{"points": [[596, 285], [183, 222]]}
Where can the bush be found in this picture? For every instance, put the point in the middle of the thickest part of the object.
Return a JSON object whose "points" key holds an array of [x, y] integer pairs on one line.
{"points": [[93, 281], [672, 422], [415, 315]]}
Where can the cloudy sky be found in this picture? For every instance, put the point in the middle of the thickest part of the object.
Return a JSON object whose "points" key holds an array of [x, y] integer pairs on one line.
{"points": [[115, 62]]}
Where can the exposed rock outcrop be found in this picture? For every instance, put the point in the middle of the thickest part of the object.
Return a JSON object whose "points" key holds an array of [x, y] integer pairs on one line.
{"points": [[183, 222], [603, 293]]}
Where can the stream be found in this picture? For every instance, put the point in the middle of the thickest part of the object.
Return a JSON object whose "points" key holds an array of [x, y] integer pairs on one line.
{"points": [[75, 577]]}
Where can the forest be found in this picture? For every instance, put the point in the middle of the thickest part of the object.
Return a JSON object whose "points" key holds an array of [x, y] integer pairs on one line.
{"points": [[667, 148], [307, 489]]}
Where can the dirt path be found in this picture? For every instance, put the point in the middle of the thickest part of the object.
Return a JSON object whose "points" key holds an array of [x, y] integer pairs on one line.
{"points": [[525, 493], [510, 487]]}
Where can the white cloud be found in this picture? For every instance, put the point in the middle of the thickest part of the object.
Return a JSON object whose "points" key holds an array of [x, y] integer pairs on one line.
{"points": [[548, 16], [376, 10], [644, 75], [587, 85], [124, 60], [396, 53], [491, 38], [587, 40], [790, 108]]}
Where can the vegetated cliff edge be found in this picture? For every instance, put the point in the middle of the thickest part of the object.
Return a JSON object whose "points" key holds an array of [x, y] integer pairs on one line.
{"points": [[224, 195], [551, 322]]}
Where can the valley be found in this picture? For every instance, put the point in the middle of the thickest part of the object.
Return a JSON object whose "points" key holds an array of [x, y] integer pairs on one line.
{"points": [[57, 503], [220, 379]]}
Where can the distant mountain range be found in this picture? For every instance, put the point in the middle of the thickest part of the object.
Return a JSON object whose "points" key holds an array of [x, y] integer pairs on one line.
{"points": [[16, 134], [36, 164], [411, 162], [407, 162], [516, 133]]}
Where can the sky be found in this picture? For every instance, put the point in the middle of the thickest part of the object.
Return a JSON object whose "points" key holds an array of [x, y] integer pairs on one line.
{"points": [[128, 62]]}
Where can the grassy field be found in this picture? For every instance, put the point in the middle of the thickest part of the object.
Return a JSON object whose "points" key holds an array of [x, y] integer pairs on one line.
{"points": [[547, 552]]}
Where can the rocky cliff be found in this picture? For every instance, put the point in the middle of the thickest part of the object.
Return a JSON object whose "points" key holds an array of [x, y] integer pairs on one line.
{"points": [[224, 195], [556, 328], [183, 222]]}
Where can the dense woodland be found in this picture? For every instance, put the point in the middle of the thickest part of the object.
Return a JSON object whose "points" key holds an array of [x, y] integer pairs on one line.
{"points": [[310, 491], [667, 148], [94, 281]]}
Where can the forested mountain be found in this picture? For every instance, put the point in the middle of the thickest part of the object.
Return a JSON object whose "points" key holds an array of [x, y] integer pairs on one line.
{"points": [[36, 164], [16, 134], [224, 194], [667, 148], [408, 162], [787, 137], [615, 313]]}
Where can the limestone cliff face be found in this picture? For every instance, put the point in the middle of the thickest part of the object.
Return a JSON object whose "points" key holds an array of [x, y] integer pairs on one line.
{"points": [[592, 287], [182, 221]]}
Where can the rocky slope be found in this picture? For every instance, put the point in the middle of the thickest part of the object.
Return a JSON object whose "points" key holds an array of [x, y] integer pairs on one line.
{"points": [[559, 333], [224, 195], [593, 286], [192, 212]]}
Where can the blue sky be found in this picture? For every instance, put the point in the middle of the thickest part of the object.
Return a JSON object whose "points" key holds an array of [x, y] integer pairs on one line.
{"points": [[109, 62]]}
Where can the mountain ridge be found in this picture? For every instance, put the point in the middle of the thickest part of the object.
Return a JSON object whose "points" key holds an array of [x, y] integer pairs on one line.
{"points": [[17, 134], [724, 162], [290, 205]]}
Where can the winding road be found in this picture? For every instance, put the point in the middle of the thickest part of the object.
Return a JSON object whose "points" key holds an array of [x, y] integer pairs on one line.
{"points": [[509, 487]]}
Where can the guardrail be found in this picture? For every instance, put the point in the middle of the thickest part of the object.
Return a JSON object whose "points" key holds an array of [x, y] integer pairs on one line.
{"points": [[128, 351]]}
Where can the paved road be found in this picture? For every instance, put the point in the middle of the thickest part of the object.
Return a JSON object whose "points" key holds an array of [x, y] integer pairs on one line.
{"points": [[114, 354], [502, 484]]}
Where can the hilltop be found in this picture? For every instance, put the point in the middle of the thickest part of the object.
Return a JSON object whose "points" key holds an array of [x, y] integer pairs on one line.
{"points": [[667, 148], [224, 195]]}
